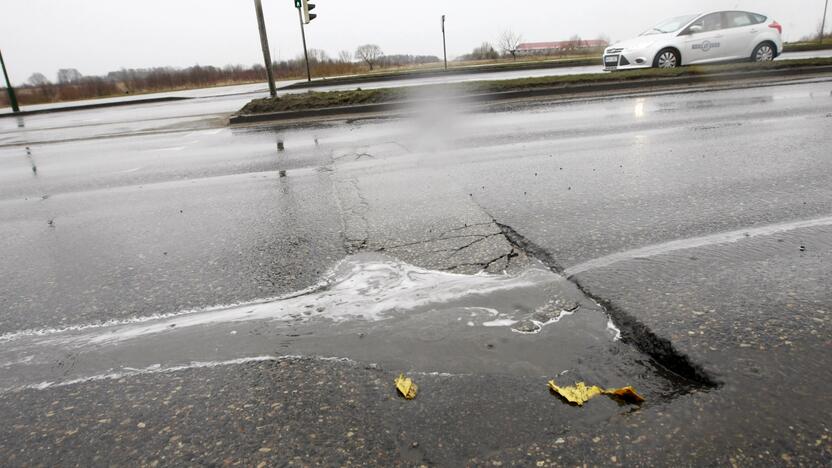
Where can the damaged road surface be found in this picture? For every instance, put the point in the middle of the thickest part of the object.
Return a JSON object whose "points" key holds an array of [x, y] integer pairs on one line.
{"points": [[369, 308], [248, 295]]}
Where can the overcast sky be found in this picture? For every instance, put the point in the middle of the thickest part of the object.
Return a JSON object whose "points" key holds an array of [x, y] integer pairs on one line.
{"points": [[97, 36]]}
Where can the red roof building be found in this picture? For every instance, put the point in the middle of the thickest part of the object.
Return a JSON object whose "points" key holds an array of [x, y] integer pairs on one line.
{"points": [[558, 46]]}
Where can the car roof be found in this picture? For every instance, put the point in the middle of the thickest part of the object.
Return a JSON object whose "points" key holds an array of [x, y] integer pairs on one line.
{"points": [[721, 11]]}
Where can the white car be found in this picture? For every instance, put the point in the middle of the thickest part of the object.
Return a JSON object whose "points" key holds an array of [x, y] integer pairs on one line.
{"points": [[703, 38]]}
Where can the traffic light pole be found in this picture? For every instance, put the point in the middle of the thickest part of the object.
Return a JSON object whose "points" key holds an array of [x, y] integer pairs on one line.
{"points": [[305, 53], [444, 47], [264, 44], [9, 89]]}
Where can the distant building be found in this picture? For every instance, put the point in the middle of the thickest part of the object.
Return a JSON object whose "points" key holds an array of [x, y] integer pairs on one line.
{"points": [[558, 47]]}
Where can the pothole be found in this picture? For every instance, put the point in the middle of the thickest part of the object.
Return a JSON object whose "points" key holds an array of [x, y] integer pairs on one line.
{"points": [[370, 308]]}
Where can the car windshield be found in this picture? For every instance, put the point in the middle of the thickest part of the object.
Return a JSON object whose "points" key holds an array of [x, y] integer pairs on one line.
{"points": [[670, 25]]}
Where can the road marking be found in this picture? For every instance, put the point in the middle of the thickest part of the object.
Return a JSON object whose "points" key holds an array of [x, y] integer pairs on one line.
{"points": [[694, 242], [159, 369]]}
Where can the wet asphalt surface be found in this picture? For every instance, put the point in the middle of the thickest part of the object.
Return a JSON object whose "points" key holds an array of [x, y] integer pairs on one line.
{"points": [[727, 337]]}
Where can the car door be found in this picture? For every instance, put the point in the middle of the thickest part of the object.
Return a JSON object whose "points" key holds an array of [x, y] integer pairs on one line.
{"points": [[739, 31], [703, 40]]}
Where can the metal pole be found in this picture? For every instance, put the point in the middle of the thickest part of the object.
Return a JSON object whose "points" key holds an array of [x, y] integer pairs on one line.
{"points": [[305, 53], [823, 22], [264, 43], [444, 47], [9, 89]]}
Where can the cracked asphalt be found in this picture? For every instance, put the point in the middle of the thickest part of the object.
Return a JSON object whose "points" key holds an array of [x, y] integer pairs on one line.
{"points": [[728, 335]]}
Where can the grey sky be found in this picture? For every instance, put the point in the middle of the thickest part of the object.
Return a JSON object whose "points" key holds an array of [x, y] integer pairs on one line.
{"points": [[96, 36]]}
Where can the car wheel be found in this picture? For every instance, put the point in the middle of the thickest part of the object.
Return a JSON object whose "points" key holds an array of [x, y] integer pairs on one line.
{"points": [[763, 53], [667, 58]]}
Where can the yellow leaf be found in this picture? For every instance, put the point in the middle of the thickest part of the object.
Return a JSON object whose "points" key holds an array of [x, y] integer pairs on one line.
{"points": [[627, 394], [406, 387], [580, 393]]}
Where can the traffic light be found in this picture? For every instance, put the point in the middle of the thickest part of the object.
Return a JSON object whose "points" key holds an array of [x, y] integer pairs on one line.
{"points": [[307, 7]]}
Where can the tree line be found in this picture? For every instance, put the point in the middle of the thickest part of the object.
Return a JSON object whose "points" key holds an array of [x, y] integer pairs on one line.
{"points": [[70, 84]]}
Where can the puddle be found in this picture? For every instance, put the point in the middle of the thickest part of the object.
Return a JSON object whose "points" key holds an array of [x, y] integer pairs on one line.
{"points": [[369, 308]]}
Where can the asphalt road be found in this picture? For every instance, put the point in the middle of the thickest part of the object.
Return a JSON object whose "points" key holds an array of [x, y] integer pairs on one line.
{"points": [[173, 291]]}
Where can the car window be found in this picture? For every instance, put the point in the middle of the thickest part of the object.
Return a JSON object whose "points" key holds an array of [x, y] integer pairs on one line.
{"points": [[669, 25], [737, 19], [757, 19], [710, 22]]}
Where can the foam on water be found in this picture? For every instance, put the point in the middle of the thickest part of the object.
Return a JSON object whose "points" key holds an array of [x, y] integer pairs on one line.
{"points": [[364, 287], [500, 323]]}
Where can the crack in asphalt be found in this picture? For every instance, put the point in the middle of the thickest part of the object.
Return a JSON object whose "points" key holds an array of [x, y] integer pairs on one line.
{"points": [[355, 155], [633, 331], [477, 239], [353, 208]]}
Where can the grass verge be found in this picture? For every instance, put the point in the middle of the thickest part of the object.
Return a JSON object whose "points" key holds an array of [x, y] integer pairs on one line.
{"points": [[323, 100], [807, 46]]}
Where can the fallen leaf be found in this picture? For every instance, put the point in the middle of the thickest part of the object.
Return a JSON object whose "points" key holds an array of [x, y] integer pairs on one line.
{"points": [[627, 394], [406, 387], [580, 393]]}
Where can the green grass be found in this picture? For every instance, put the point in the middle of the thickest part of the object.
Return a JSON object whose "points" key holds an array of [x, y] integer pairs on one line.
{"points": [[807, 46], [323, 100], [315, 100]]}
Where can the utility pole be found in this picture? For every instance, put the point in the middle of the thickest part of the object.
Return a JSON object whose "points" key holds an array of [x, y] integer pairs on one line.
{"points": [[264, 43], [823, 22], [303, 36], [444, 47], [9, 89]]}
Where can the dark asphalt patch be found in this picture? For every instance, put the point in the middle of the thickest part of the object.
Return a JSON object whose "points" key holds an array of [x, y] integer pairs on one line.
{"points": [[633, 332]]}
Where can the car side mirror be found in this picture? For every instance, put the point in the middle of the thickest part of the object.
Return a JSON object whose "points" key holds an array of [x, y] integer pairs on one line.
{"points": [[695, 29]]}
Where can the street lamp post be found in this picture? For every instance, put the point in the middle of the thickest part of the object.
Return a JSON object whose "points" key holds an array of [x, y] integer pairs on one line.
{"points": [[444, 47], [9, 89], [264, 44], [823, 21]]}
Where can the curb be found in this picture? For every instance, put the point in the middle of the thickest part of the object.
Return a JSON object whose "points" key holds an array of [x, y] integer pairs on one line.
{"points": [[93, 106], [532, 93], [323, 82]]}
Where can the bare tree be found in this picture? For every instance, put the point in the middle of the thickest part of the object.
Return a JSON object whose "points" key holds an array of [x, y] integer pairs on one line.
{"points": [[605, 39], [575, 42], [484, 52], [345, 56], [69, 75], [42, 86], [369, 54], [317, 56], [508, 43], [38, 79]]}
